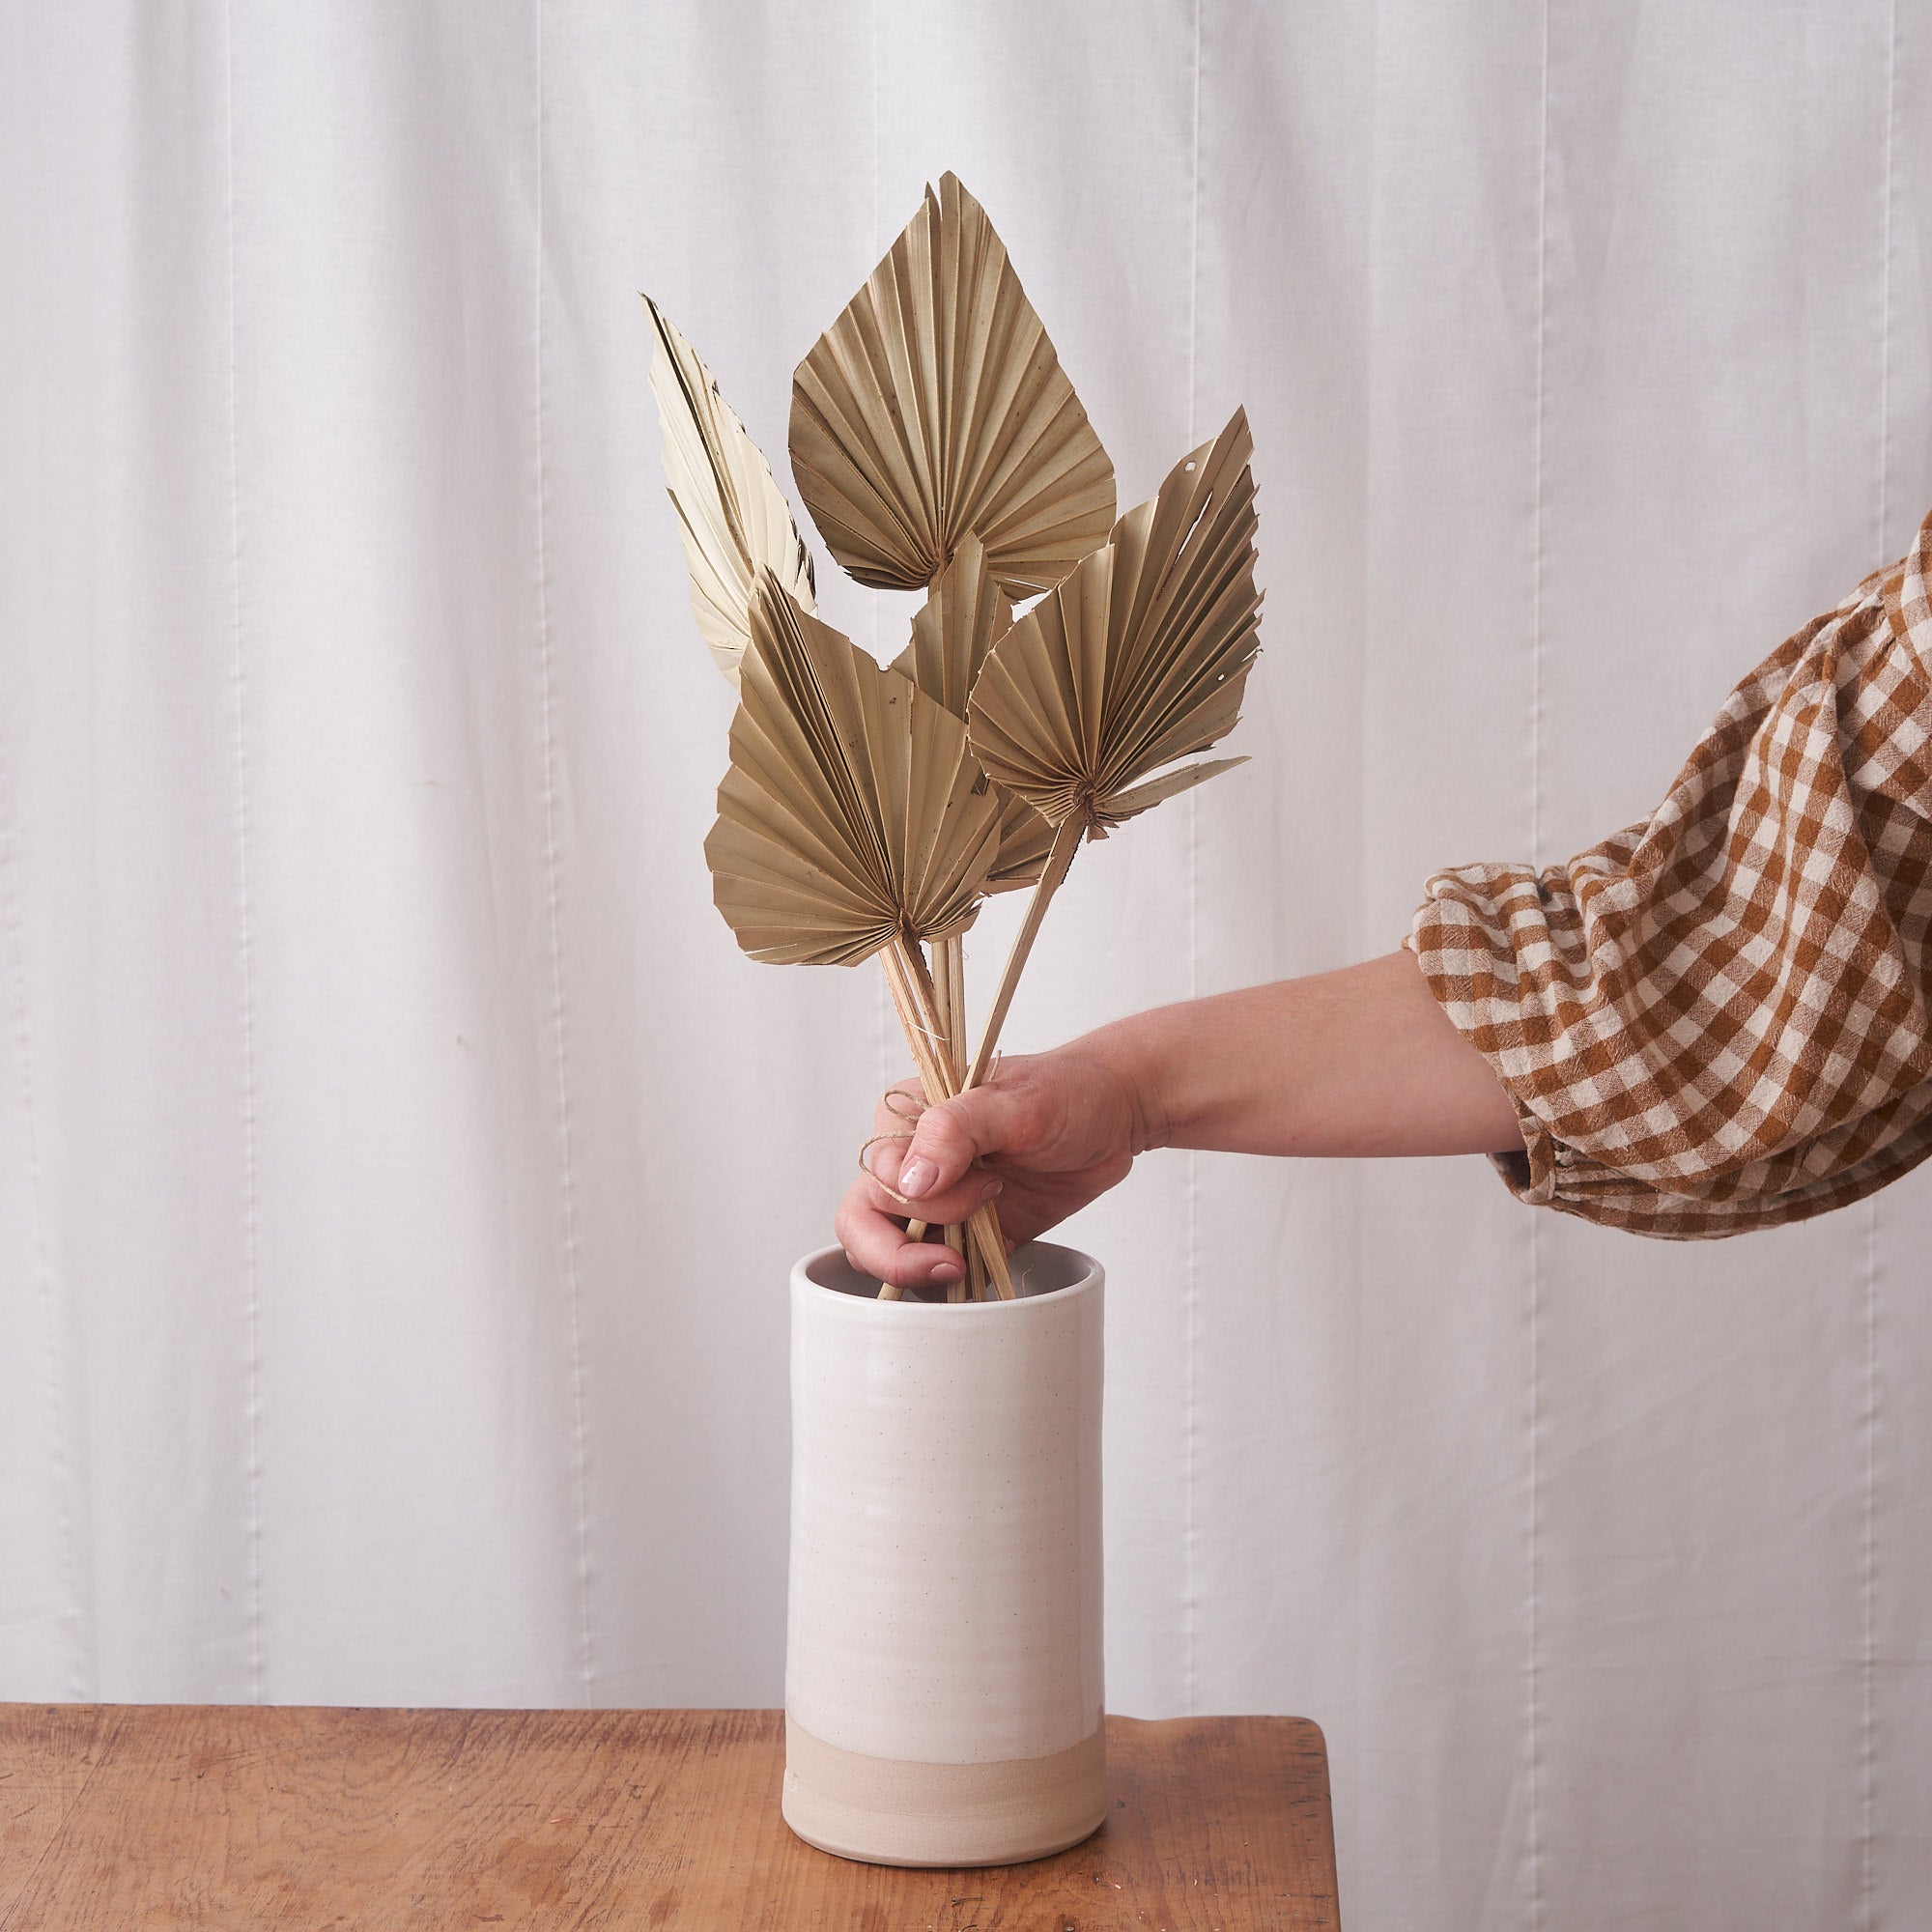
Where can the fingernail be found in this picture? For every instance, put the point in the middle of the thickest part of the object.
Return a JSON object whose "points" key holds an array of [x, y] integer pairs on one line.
{"points": [[917, 1176], [992, 1188], [946, 1271]]}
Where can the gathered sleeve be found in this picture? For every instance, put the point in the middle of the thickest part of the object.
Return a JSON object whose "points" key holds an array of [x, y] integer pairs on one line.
{"points": [[1717, 1019]]}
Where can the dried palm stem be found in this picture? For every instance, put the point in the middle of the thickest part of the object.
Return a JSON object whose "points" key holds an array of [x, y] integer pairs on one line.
{"points": [[1065, 842], [949, 999], [912, 995], [949, 957], [916, 1020], [985, 1237], [942, 956], [953, 948]]}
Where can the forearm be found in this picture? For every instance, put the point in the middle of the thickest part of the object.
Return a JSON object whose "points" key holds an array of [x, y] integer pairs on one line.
{"points": [[1356, 1061], [1360, 1062]]}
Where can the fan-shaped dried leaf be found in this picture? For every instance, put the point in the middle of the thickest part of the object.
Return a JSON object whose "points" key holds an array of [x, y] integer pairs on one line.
{"points": [[852, 810], [964, 614], [730, 509], [1025, 841], [1138, 657], [934, 405]]}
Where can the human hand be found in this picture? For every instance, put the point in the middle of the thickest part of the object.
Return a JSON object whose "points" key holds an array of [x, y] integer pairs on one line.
{"points": [[1045, 1135]]}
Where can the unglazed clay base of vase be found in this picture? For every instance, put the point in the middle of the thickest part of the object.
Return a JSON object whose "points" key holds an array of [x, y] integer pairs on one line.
{"points": [[889, 1811], [943, 1661]]}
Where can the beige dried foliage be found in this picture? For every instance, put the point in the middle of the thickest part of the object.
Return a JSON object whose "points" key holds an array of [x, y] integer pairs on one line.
{"points": [[733, 516], [936, 406], [1136, 658], [964, 615], [852, 812], [1025, 841], [866, 811]]}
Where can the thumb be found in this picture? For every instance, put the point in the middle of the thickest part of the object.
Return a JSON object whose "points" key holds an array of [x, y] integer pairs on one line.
{"points": [[949, 1136]]}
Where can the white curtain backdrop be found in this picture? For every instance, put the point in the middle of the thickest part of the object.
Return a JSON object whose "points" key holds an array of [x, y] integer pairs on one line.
{"points": [[399, 1165]]}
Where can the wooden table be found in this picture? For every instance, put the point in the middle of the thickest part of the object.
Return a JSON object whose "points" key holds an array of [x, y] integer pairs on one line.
{"points": [[136, 1816]]}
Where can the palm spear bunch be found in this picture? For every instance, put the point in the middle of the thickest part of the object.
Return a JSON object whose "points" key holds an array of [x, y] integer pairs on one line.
{"points": [[868, 810]]}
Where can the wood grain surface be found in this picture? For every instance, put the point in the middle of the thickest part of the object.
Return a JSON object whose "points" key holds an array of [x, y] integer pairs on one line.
{"points": [[137, 1816]]}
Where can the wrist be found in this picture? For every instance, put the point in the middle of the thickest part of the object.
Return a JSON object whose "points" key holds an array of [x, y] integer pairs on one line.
{"points": [[1226, 1072], [1125, 1054]]}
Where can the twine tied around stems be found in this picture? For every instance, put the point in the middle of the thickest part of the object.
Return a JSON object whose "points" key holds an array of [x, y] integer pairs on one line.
{"points": [[865, 1166], [908, 1107], [904, 1106]]}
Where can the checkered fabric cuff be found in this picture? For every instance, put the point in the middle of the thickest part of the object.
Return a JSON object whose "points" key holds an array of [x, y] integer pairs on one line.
{"points": [[1717, 1019]]}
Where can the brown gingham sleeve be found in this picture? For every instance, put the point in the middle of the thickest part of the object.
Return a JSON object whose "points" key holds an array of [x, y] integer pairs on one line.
{"points": [[1717, 1019]]}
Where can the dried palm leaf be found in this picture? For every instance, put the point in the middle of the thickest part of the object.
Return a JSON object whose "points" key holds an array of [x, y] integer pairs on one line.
{"points": [[965, 613], [1138, 657], [852, 821], [1025, 841], [852, 812], [733, 517], [934, 405]]}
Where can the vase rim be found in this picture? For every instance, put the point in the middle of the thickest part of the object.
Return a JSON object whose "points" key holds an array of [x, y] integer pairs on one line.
{"points": [[1089, 1275]]}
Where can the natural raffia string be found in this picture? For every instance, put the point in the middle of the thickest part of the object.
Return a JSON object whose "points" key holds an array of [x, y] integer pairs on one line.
{"points": [[865, 1168], [904, 1106]]}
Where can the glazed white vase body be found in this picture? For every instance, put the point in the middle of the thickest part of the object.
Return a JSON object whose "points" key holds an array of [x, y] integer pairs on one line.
{"points": [[943, 1666]]}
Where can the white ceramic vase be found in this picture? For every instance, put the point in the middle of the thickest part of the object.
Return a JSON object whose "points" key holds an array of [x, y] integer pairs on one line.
{"points": [[943, 1668]]}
